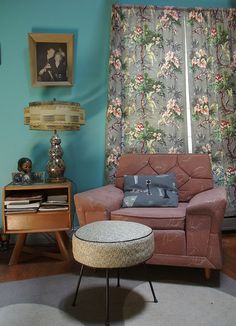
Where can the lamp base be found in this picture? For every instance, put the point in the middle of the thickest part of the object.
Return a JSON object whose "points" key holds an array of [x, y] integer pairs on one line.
{"points": [[56, 180], [55, 165]]}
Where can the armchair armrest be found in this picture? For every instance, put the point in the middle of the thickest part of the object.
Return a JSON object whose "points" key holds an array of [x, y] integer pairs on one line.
{"points": [[96, 204], [204, 216], [211, 203]]}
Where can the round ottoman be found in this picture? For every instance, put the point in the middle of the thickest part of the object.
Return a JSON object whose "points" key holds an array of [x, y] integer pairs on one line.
{"points": [[112, 244]]}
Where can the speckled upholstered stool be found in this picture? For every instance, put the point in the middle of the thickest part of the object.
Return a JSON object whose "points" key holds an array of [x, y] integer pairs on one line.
{"points": [[112, 244]]}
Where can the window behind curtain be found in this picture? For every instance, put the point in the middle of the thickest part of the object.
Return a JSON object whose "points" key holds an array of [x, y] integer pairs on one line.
{"points": [[171, 86]]}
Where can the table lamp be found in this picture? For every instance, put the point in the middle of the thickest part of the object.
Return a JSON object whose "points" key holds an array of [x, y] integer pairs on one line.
{"points": [[54, 115]]}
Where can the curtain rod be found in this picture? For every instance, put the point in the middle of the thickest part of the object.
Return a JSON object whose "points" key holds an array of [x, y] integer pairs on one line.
{"points": [[169, 7]]}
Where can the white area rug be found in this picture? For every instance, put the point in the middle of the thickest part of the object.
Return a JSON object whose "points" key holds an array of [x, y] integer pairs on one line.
{"points": [[28, 314], [47, 301], [179, 305]]}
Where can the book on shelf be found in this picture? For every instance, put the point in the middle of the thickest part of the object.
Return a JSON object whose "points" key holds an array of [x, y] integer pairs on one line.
{"points": [[52, 208], [11, 202], [20, 211], [23, 206], [33, 196], [62, 198], [54, 203]]}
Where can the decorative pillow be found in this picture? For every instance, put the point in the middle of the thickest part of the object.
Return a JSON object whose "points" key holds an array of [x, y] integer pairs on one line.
{"points": [[150, 191]]}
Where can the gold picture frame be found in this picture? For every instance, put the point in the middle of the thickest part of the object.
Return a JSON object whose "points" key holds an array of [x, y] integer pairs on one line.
{"points": [[51, 59]]}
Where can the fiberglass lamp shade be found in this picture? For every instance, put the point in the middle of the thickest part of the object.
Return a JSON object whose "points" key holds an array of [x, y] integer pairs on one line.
{"points": [[54, 115]]}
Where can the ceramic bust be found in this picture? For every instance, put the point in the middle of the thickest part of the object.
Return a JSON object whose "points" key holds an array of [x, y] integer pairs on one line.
{"points": [[24, 168], [25, 165]]}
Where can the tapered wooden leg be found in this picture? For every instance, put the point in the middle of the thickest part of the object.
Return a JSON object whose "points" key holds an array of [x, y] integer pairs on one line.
{"points": [[60, 236], [65, 238], [207, 272], [20, 241]]}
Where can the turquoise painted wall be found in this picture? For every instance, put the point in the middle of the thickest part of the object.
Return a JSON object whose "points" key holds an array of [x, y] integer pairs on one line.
{"points": [[89, 21]]}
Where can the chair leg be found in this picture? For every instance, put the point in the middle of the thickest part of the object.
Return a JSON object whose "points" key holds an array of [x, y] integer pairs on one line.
{"points": [[78, 285], [107, 323], [207, 273], [150, 283], [118, 277]]}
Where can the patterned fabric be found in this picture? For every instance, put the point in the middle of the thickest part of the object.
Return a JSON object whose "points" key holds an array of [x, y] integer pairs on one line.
{"points": [[150, 191], [112, 244], [147, 88], [212, 65], [162, 62]]}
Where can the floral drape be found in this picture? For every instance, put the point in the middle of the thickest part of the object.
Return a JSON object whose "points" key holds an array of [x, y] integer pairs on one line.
{"points": [[212, 65], [147, 110], [147, 88]]}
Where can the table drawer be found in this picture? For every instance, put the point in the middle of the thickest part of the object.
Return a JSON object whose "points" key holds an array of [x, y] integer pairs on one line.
{"points": [[38, 222]]}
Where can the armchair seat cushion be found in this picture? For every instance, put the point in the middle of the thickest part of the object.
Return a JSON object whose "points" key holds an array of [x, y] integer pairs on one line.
{"points": [[157, 218]]}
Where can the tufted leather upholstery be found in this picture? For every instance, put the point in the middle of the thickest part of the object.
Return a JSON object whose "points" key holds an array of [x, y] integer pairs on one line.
{"points": [[193, 171], [189, 235]]}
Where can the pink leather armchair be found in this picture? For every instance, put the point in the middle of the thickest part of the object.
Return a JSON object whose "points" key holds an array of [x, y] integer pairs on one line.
{"points": [[188, 235]]}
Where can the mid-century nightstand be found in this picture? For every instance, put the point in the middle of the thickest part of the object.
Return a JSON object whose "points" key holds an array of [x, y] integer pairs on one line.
{"points": [[23, 223]]}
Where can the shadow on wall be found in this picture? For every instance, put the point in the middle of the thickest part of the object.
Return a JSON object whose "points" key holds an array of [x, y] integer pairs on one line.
{"points": [[232, 4], [39, 154]]}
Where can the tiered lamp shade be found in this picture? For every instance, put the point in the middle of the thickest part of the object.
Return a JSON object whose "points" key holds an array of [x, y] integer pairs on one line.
{"points": [[54, 115]]}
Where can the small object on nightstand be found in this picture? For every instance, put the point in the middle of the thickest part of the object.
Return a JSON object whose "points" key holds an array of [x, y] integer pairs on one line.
{"points": [[24, 166], [25, 176]]}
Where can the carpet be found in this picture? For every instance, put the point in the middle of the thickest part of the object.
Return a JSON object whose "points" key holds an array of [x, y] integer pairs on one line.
{"points": [[180, 305], [29, 314], [184, 298]]}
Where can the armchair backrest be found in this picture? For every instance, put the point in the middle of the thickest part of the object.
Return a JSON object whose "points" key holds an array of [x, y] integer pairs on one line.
{"points": [[193, 171]]}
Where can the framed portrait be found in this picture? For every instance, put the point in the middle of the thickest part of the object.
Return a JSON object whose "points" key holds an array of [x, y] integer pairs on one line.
{"points": [[51, 59]]}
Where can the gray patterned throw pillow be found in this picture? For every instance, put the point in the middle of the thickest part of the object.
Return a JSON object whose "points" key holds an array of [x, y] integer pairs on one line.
{"points": [[150, 191]]}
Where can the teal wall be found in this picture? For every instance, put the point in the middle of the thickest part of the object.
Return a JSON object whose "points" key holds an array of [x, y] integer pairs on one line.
{"points": [[89, 21]]}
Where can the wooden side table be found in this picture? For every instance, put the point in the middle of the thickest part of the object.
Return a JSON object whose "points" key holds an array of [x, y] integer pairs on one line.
{"points": [[22, 224]]}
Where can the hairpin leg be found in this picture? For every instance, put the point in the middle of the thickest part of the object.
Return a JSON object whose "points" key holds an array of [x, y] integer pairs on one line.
{"points": [[150, 283], [77, 289], [107, 323], [118, 277]]}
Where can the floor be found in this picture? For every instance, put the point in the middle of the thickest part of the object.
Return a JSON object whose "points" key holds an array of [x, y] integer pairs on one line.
{"points": [[42, 266], [229, 252]]}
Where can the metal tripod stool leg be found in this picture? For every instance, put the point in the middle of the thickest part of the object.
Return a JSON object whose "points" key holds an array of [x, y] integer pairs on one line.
{"points": [[150, 283], [107, 323], [118, 277], [78, 285]]}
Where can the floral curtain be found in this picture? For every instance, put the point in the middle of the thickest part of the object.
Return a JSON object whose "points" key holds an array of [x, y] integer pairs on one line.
{"points": [[149, 92], [147, 87], [212, 65]]}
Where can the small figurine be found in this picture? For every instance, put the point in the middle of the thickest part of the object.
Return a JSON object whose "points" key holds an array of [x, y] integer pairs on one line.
{"points": [[24, 168], [25, 165]]}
